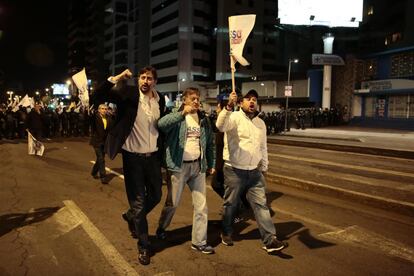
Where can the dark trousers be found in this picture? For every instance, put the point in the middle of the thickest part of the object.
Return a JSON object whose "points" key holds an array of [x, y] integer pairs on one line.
{"points": [[37, 133], [99, 165], [143, 182]]}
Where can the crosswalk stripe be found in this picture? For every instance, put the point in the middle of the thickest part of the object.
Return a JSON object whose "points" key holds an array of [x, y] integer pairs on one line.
{"points": [[112, 255]]}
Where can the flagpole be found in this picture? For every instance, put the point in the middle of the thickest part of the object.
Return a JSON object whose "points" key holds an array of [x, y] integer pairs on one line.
{"points": [[233, 70]]}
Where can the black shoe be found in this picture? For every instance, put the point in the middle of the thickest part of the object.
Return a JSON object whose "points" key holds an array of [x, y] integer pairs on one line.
{"points": [[161, 234], [131, 226], [144, 257], [274, 245], [226, 239], [104, 180], [95, 175]]}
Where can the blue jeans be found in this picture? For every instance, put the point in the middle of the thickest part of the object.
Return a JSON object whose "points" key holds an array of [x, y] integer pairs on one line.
{"points": [[143, 180], [191, 175], [235, 182]]}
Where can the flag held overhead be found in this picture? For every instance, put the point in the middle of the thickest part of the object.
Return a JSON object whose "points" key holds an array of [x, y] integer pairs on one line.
{"points": [[81, 83], [240, 27]]}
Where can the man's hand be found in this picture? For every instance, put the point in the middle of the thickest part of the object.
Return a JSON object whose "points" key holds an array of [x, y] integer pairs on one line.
{"points": [[188, 109], [232, 100], [211, 171], [126, 74]]}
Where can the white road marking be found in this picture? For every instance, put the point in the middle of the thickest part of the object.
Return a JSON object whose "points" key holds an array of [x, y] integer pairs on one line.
{"points": [[365, 238], [111, 171], [357, 235], [112, 255], [330, 163]]}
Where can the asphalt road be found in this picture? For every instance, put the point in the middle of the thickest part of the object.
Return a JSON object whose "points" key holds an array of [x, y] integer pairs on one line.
{"points": [[55, 219]]}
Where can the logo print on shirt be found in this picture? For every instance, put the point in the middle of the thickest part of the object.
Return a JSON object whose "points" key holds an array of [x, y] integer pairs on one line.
{"points": [[193, 131]]}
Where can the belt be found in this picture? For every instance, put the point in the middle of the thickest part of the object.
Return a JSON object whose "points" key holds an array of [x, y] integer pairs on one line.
{"points": [[191, 161], [147, 154]]}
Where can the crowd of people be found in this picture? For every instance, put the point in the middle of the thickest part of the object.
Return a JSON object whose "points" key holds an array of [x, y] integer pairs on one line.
{"points": [[45, 122], [302, 118]]}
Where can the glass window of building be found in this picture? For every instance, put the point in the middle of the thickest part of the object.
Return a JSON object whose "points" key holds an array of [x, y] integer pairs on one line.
{"points": [[370, 103]]}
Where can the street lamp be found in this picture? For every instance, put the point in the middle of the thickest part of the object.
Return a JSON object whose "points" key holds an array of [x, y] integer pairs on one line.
{"points": [[178, 99], [179, 84], [287, 97]]}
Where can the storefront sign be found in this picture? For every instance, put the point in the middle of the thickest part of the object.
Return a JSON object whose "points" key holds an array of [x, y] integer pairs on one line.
{"points": [[288, 91], [324, 59], [382, 85]]}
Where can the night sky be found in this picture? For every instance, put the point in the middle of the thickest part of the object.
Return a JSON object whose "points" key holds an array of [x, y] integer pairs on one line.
{"points": [[33, 43]]}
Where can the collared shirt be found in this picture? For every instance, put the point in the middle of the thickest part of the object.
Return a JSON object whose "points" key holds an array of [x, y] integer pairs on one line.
{"points": [[104, 121], [245, 141], [144, 134]]}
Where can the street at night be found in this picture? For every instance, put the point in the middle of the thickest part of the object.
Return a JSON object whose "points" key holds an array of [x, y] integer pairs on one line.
{"points": [[57, 219], [190, 137]]}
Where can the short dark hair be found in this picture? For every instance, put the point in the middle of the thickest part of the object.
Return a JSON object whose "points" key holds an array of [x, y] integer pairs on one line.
{"points": [[191, 90], [147, 69], [223, 103]]}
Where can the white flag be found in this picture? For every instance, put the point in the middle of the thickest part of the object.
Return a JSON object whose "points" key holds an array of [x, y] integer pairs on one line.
{"points": [[81, 83], [26, 101], [34, 147], [240, 27]]}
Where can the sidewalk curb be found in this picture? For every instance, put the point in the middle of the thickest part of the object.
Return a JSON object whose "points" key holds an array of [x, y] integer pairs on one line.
{"points": [[346, 148], [352, 139], [401, 207]]}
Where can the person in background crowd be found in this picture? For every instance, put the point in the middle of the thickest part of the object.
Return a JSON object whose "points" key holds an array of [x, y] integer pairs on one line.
{"points": [[100, 128], [245, 160], [190, 152], [21, 116], [135, 134], [35, 122]]}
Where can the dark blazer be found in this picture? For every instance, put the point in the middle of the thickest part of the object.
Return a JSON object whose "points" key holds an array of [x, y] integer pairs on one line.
{"points": [[126, 99], [34, 121], [99, 134]]}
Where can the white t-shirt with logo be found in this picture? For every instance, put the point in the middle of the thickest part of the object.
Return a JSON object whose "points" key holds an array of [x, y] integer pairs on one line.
{"points": [[192, 145]]}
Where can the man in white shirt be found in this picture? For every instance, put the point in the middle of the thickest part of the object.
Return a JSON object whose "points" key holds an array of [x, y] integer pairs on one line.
{"points": [[135, 134], [245, 161], [190, 152]]}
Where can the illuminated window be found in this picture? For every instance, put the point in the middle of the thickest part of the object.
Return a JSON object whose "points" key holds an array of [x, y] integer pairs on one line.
{"points": [[370, 10]]}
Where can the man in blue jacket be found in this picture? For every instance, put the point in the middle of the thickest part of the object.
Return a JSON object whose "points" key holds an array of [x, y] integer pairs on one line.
{"points": [[135, 134], [190, 152]]}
